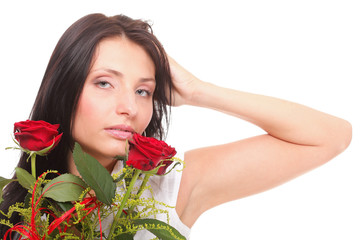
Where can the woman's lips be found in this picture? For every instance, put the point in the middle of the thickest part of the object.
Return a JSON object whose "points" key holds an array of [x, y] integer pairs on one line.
{"points": [[121, 132]]}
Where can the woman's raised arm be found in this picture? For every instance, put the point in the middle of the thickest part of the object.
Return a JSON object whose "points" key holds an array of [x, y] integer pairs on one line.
{"points": [[298, 139]]}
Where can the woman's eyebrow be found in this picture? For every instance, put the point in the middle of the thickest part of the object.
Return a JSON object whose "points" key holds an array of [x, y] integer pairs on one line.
{"points": [[109, 70], [147, 80], [119, 74]]}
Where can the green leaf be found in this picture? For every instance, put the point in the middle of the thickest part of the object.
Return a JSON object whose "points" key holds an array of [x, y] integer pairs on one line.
{"points": [[27, 200], [161, 230], [12, 148], [65, 206], [95, 175], [64, 188], [125, 236], [3, 183], [25, 178]]}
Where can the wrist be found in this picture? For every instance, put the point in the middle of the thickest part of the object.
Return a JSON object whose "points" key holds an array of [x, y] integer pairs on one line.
{"points": [[201, 93]]}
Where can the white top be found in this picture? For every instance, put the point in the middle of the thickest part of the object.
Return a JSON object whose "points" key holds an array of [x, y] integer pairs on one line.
{"points": [[165, 189]]}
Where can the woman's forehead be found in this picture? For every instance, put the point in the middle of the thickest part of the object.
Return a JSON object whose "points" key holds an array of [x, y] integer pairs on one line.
{"points": [[122, 56]]}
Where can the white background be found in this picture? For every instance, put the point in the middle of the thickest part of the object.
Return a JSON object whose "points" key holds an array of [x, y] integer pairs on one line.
{"points": [[303, 51]]}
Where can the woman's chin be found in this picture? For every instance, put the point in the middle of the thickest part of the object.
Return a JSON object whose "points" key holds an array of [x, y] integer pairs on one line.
{"points": [[118, 147], [118, 152]]}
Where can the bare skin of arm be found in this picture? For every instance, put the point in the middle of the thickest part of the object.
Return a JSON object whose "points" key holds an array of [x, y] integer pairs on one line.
{"points": [[298, 139]]}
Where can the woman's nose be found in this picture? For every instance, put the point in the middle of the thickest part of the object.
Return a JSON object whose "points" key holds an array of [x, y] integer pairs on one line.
{"points": [[126, 104]]}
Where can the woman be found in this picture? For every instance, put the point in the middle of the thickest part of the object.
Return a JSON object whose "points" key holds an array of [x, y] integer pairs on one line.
{"points": [[110, 76]]}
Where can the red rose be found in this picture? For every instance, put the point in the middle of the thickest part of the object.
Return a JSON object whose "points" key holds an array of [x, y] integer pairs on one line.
{"points": [[36, 135], [147, 153]]}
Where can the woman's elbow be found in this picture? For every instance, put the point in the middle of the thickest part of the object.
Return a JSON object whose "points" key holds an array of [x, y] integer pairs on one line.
{"points": [[342, 137]]}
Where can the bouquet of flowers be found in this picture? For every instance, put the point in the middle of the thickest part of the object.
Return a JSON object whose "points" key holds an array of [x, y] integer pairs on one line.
{"points": [[72, 207]]}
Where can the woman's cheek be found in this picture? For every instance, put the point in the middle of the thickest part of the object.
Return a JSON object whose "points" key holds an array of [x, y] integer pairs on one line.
{"points": [[86, 116], [147, 118]]}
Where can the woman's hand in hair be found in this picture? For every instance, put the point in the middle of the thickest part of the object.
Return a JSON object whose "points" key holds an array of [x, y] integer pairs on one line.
{"points": [[184, 84]]}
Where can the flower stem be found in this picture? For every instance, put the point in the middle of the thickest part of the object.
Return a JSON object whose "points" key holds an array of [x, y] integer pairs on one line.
{"points": [[33, 165], [141, 190], [127, 195], [142, 187]]}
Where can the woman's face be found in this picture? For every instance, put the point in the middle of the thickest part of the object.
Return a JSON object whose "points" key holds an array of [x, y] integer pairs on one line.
{"points": [[116, 100]]}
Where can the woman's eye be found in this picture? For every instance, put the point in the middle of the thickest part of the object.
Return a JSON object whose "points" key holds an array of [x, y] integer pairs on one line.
{"points": [[103, 84], [143, 93]]}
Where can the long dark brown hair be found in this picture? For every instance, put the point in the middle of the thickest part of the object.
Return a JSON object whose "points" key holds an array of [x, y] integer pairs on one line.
{"points": [[64, 79]]}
